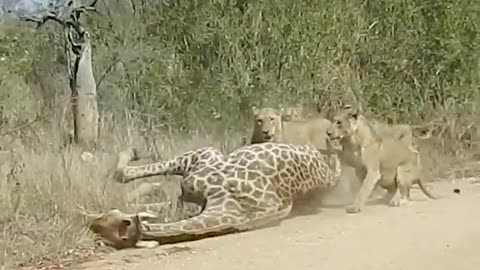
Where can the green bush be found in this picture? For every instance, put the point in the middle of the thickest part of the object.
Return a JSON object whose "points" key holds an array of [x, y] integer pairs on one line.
{"points": [[184, 60], [195, 57]]}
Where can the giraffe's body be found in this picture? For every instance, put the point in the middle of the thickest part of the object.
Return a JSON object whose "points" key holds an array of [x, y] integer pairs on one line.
{"points": [[251, 187]]}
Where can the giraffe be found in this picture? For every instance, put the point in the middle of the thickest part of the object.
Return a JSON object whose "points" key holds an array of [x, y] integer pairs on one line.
{"points": [[247, 189]]}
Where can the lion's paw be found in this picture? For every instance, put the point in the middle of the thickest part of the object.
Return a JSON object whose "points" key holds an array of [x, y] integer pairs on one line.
{"points": [[395, 202], [352, 209]]}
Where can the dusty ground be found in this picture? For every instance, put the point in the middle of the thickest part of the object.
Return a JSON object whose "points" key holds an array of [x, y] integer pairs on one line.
{"points": [[426, 234]]}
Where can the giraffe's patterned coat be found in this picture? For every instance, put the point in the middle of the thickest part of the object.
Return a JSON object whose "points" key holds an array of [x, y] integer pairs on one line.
{"points": [[251, 187]]}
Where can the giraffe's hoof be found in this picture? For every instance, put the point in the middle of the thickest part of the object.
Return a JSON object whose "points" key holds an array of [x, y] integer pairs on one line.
{"points": [[135, 154], [147, 244], [352, 209], [119, 176], [147, 216], [145, 226]]}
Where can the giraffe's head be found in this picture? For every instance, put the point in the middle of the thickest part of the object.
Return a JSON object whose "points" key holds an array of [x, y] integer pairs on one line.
{"points": [[116, 228], [344, 124], [267, 124]]}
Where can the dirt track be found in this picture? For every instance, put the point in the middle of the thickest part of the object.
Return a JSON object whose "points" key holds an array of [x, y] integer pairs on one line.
{"points": [[426, 234]]}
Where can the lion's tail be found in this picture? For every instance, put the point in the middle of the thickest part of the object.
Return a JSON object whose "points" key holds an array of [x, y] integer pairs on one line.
{"points": [[426, 191], [421, 183]]}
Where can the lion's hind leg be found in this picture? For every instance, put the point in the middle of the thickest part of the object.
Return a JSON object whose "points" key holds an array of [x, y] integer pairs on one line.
{"points": [[389, 181], [392, 197], [405, 177]]}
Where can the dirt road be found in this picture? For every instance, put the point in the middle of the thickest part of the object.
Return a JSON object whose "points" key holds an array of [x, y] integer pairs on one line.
{"points": [[426, 234]]}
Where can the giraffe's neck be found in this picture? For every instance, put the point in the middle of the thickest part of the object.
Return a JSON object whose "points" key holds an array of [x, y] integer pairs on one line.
{"points": [[187, 229], [214, 220]]}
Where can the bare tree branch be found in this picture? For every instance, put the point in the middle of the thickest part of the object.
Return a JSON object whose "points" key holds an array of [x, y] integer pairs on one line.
{"points": [[62, 14], [78, 51]]}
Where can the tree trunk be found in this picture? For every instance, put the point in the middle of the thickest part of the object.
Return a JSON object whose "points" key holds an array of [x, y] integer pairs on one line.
{"points": [[83, 87], [78, 51]]}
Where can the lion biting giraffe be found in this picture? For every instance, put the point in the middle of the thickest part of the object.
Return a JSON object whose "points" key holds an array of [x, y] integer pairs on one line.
{"points": [[384, 161]]}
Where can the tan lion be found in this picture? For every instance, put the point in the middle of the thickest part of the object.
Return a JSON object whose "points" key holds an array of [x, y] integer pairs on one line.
{"points": [[269, 127], [126, 233], [383, 161], [400, 132], [293, 113]]}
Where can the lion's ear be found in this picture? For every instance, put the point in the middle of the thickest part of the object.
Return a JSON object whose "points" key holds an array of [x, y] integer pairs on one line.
{"points": [[254, 110], [284, 114], [352, 112]]}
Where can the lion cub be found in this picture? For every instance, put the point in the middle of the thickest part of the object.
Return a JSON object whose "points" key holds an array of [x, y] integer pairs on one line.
{"points": [[269, 127], [383, 161]]}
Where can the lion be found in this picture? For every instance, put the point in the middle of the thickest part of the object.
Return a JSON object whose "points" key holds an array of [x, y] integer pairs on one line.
{"points": [[119, 230], [400, 132], [378, 160], [127, 231], [293, 113], [269, 127], [298, 113]]}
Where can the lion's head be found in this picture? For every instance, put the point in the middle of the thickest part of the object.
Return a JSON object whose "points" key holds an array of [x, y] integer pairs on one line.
{"points": [[116, 228], [344, 124], [292, 113], [267, 124]]}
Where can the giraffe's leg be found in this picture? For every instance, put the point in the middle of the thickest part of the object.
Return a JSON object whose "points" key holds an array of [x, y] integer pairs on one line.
{"points": [[178, 165], [189, 195], [192, 198], [264, 210], [268, 217], [142, 190]]}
